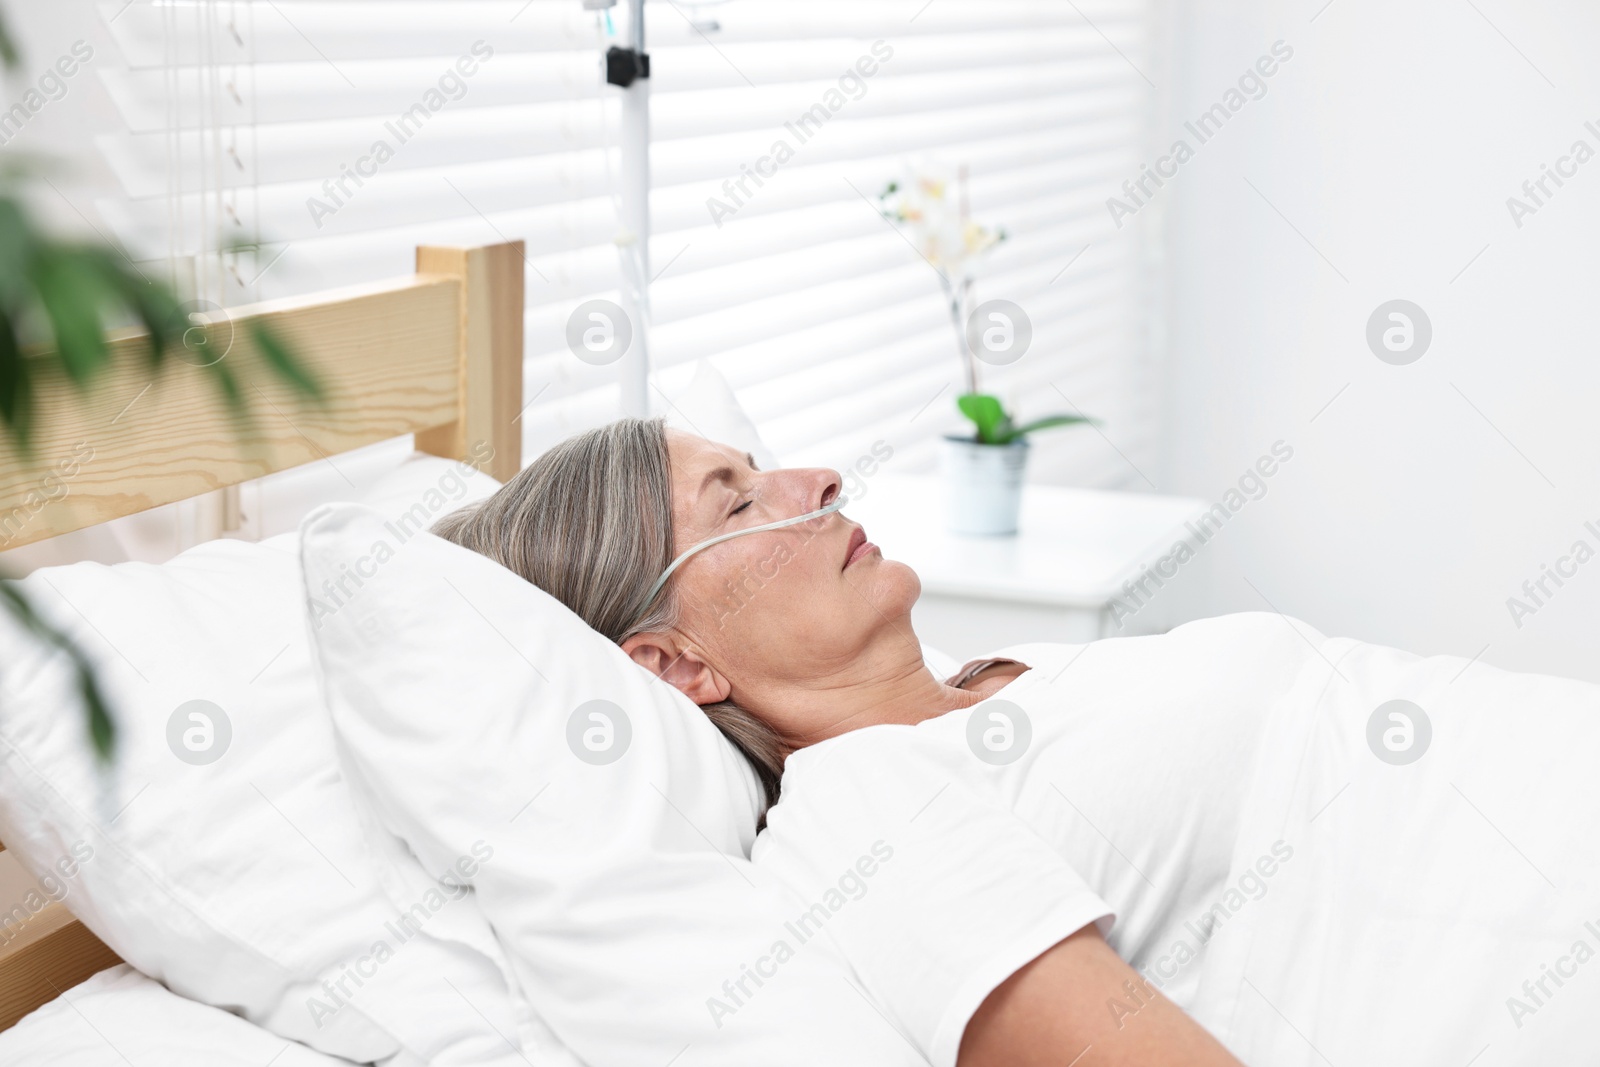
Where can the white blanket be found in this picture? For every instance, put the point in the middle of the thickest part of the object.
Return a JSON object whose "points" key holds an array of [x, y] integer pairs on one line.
{"points": [[1319, 875], [1444, 910]]}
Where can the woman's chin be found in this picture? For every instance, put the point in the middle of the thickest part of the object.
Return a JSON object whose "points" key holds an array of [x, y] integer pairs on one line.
{"points": [[889, 585]]}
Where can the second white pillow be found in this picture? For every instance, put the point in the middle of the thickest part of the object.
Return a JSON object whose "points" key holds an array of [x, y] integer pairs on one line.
{"points": [[473, 706]]}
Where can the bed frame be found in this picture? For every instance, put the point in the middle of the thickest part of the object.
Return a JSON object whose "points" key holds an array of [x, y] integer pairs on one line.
{"points": [[437, 353]]}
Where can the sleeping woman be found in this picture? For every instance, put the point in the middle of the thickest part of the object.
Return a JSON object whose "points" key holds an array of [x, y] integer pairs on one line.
{"points": [[1040, 846]]}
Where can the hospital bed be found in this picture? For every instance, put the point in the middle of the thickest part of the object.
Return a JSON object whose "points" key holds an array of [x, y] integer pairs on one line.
{"points": [[436, 353]]}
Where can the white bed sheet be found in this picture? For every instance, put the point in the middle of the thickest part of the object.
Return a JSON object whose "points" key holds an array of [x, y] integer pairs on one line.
{"points": [[120, 1017]]}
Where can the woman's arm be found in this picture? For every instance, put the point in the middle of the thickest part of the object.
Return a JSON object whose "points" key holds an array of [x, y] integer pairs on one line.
{"points": [[1080, 1004]]}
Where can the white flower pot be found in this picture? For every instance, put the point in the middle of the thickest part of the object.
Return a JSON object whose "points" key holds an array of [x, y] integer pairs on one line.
{"points": [[982, 485]]}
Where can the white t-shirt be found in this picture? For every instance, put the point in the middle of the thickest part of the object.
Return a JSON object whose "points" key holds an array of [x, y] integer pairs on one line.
{"points": [[1108, 778]]}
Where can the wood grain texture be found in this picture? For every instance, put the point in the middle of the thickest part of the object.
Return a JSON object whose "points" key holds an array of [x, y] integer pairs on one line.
{"points": [[489, 430], [52, 953], [387, 356]]}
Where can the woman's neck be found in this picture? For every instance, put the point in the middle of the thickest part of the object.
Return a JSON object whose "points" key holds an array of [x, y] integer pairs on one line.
{"points": [[893, 686]]}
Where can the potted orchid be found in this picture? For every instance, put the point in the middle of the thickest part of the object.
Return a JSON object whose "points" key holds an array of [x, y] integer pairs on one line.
{"points": [[983, 471]]}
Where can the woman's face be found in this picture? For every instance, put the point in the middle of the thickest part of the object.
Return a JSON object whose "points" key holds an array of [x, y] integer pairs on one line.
{"points": [[776, 610]]}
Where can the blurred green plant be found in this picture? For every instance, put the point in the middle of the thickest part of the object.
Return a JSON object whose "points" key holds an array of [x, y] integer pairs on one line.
{"points": [[57, 298]]}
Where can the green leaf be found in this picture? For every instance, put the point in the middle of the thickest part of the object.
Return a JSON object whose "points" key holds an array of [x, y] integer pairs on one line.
{"points": [[16, 252], [157, 309], [102, 730], [1044, 424], [986, 413], [232, 395], [16, 388], [9, 55], [72, 293]]}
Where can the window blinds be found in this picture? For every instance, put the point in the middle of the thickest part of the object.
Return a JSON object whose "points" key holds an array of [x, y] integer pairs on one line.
{"points": [[335, 135], [831, 328]]}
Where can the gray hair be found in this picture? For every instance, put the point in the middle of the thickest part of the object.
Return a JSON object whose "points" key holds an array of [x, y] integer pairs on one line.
{"points": [[590, 523]]}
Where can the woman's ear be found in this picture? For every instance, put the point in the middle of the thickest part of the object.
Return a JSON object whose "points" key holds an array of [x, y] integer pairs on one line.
{"points": [[683, 669]]}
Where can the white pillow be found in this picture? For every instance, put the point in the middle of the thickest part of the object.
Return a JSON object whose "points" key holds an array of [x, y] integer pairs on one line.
{"points": [[473, 706], [119, 1016], [707, 407], [248, 881]]}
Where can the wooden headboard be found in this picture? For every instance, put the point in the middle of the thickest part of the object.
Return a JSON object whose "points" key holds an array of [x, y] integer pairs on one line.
{"points": [[437, 353]]}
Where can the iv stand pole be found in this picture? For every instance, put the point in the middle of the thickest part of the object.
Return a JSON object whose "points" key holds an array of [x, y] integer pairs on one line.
{"points": [[629, 68]]}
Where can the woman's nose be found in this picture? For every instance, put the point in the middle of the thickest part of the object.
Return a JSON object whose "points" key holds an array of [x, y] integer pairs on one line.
{"points": [[826, 487], [806, 489]]}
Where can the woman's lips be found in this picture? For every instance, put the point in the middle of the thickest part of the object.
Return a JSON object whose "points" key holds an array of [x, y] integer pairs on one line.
{"points": [[859, 546]]}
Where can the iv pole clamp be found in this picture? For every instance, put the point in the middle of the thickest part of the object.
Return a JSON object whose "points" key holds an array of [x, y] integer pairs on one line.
{"points": [[624, 66]]}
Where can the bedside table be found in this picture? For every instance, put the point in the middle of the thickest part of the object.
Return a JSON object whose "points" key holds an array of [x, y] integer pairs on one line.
{"points": [[1076, 551]]}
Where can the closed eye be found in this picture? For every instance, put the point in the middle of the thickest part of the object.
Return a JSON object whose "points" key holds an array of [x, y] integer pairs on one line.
{"points": [[741, 507]]}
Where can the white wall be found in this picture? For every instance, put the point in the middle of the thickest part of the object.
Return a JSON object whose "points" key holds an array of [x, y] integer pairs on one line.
{"points": [[1421, 499]]}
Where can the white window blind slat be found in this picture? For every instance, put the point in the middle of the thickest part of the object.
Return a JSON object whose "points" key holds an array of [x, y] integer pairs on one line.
{"points": [[849, 20], [331, 31], [541, 137], [315, 91]]}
